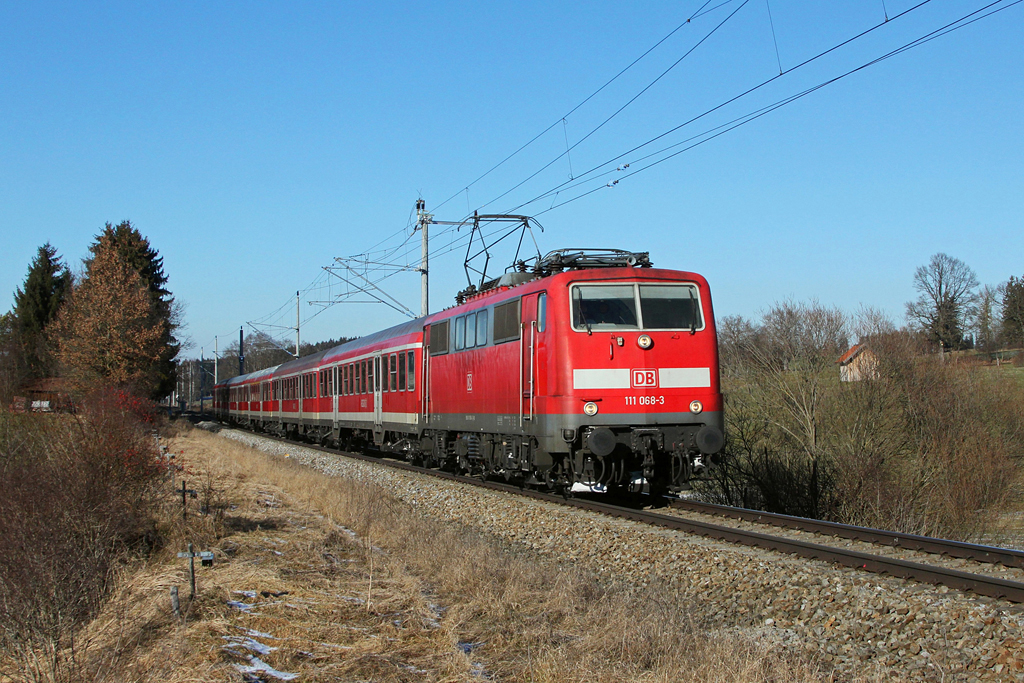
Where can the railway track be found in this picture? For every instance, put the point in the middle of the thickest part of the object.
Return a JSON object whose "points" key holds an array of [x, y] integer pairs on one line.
{"points": [[979, 584], [1007, 557]]}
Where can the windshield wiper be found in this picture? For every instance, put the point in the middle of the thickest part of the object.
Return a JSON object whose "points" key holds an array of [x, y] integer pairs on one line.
{"points": [[693, 312], [583, 316]]}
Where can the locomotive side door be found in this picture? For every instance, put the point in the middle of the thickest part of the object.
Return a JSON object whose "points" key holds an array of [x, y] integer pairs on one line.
{"points": [[378, 400], [527, 358]]}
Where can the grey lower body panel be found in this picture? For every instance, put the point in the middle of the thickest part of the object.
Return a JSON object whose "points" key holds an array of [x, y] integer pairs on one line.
{"points": [[548, 430]]}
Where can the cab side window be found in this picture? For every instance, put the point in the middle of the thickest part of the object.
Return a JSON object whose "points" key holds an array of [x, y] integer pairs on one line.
{"points": [[481, 328], [460, 334], [439, 338], [470, 330], [506, 321]]}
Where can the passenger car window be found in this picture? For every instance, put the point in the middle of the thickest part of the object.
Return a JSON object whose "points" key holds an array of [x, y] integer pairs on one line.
{"points": [[412, 370]]}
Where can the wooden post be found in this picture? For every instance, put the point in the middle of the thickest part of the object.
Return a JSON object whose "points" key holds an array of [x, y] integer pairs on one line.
{"points": [[175, 604], [184, 504], [192, 571]]}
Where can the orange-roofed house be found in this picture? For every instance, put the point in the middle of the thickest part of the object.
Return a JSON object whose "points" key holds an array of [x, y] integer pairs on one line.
{"points": [[859, 363]]}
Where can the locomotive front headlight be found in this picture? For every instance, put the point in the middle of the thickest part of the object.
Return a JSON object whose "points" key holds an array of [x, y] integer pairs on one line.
{"points": [[590, 408], [696, 406], [644, 341]]}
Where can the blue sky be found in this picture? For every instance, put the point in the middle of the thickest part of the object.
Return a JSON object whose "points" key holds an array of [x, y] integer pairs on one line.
{"points": [[254, 142]]}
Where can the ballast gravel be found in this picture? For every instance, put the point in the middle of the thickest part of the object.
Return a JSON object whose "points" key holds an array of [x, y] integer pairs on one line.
{"points": [[862, 624]]}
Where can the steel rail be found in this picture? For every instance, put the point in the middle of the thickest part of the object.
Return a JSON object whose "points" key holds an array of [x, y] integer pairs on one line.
{"points": [[968, 551], [979, 584]]}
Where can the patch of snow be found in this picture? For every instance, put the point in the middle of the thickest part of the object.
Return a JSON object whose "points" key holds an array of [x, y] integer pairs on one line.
{"points": [[413, 669], [255, 634], [257, 665], [243, 606], [249, 644]]}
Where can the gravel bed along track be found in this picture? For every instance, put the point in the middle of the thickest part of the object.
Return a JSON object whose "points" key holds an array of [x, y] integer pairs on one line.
{"points": [[863, 624]]}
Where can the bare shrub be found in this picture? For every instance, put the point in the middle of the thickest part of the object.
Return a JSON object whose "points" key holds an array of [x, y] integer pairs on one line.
{"points": [[954, 433], [78, 496], [921, 446], [785, 365]]}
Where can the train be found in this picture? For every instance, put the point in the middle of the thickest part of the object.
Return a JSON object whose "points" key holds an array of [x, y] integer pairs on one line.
{"points": [[589, 368]]}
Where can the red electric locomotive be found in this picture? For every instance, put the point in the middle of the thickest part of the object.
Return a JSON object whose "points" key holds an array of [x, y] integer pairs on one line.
{"points": [[593, 368]]}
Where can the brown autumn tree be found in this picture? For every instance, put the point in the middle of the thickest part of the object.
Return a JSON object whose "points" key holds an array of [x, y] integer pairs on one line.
{"points": [[105, 333], [137, 252]]}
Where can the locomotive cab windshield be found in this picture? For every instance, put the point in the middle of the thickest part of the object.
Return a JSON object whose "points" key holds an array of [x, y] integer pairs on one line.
{"points": [[637, 306]]}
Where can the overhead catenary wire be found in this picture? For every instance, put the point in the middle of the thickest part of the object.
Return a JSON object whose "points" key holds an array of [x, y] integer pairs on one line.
{"points": [[699, 13], [619, 110], [458, 243], [404, 249], [724, 103], [774, 39], [960, 23], [278, 314]]}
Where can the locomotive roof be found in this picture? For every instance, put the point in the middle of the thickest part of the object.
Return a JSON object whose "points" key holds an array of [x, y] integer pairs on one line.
{"points": [[575, 275]]}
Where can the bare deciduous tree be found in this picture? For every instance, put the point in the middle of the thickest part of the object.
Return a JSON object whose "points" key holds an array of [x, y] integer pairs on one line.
{"points": [[988, 320], [945, 306], [790, 361]]}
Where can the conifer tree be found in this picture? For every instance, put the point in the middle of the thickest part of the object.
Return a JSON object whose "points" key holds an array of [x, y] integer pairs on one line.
{"points": [[1013, 312], [135, 251], [35, 306]]}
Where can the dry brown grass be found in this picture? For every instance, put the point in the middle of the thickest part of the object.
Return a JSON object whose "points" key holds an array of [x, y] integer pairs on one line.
{"points": [[360, 607]]}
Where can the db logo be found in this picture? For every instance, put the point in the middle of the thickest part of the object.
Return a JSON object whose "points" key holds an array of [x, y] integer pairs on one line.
{"points": [[645, 378], [469, 382]]}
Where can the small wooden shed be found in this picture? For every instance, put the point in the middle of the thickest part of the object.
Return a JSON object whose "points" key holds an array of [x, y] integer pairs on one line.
{"points": [[44, 396], [857, 364]]}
